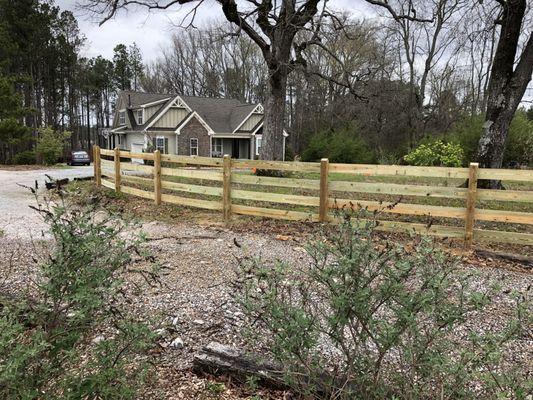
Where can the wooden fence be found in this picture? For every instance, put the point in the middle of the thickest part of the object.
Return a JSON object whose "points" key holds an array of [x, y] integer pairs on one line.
{"points": [[320, 195]]}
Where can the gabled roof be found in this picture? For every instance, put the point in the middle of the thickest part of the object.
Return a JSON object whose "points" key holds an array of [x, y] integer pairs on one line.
{"points": [[221, 115], [140, 98]]}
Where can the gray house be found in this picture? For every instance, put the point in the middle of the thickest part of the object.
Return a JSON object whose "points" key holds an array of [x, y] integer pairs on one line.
{"points": [[186, 125]]}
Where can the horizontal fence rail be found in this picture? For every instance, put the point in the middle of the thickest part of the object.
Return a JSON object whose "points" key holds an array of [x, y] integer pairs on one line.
{"points": [[320, 192]]}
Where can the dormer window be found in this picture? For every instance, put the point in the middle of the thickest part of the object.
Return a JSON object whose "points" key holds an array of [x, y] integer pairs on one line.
{"points": [[122, 117], [140, 117]]}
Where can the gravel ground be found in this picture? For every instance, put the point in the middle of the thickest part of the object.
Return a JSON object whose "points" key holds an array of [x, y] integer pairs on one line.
{"points": [[195, 303], [16, 217]]}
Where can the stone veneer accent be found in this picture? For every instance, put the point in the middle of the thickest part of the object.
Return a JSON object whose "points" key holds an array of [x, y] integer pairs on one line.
{"points": [[194, 129]]}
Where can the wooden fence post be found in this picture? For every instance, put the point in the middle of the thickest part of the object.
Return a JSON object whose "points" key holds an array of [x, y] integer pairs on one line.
{"points": [[117, 169], [157, 177], [97, 166], [471, 203], [226, 187], [324, 192]]}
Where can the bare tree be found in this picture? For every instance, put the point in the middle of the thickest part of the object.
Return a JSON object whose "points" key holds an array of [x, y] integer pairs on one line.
{"points": [[508, 81], [273, 26]]}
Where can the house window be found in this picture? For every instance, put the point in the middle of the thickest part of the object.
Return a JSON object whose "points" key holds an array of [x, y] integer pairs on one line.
{"points": [[194, 147], [119, 139], [140, 115], [122, 118], [161, 144], [258, 144], [216, 148]]}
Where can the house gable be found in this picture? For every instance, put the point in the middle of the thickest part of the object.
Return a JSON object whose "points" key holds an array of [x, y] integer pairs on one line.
{"points": [[250, 123], [170, 115]]}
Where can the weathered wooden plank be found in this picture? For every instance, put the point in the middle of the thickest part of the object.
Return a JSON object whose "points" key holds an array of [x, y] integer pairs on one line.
{"points": [[276, 198], [116, 160], [108, 184], [97, 166], [274, 213], [522, 196], [226, 188], [471, 203], [397, 189], [137, 179], [522, 175], [409, 227], [278, 165], [503, 237], [107, 163], [106, 152], [138, 192], [192, 160], [324, 190], [143, 156], [157, 177], [273, 181], [400, 208], [193, 173], [137, 167], [504, 216], [399, 170], [185, 201], [198, 189]]}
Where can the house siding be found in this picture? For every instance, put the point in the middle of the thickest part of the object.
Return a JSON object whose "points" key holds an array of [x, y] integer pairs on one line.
{"points": [[149, 111], [194, 129], [251, 122], [171, 118]]}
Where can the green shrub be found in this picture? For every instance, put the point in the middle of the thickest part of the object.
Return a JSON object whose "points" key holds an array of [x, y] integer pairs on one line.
{"points": [[24, 158], [340, 146], [367, 319], [519, 145], [436, 153], [50, 145], [48, 346]]}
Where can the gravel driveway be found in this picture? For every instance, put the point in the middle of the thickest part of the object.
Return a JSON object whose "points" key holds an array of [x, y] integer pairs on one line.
{"points": [[16, 217]]}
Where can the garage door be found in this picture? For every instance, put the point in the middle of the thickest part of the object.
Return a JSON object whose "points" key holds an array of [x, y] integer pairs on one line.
{"points": [[137, 148]]}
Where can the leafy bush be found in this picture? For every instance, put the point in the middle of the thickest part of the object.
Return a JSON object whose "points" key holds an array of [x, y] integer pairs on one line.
{"points": [[372, 320], [519, 146], [73, 338], [24, 158], [340, 146], [436, 153], [50, 145]]}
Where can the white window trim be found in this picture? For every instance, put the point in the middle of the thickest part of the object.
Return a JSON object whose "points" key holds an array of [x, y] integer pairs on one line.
{"points": [[191, 147], [258, 137], [156, 139], [140, 121], [122, 115]]}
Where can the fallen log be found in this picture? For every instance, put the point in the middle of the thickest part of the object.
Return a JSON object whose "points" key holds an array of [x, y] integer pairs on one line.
{"points": [[524, 260], [217, 359]]}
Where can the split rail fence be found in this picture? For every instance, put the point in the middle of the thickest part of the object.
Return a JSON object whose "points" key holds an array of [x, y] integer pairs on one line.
{"points": [[319, 195]]}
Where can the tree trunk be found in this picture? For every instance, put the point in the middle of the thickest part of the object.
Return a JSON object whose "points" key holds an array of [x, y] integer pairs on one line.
{"points": [[506, 87], [274, 122]]}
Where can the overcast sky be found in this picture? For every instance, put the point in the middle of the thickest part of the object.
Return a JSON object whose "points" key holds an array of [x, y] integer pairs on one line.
{"points": [[151, 31]]}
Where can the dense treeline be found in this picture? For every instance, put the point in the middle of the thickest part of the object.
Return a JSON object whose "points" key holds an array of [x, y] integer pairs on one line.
{"points": [[367, 92], [45, 82], [369, 101]]}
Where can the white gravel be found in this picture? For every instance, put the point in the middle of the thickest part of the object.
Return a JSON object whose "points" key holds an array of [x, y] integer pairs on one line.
{"points": [[17, 219]]}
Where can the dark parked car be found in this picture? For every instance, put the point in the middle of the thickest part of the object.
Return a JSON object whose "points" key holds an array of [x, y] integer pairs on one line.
{"points": [[78, 158]]}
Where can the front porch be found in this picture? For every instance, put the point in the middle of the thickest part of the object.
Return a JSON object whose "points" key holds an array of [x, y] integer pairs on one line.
{"points": [[242, 148]]}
